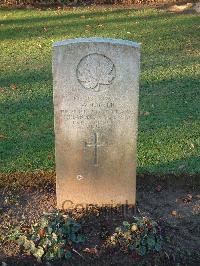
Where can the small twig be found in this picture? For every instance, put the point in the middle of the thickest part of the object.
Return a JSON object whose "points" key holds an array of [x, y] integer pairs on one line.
{"points": [[139, 211], [167, 255], [75, 251]]}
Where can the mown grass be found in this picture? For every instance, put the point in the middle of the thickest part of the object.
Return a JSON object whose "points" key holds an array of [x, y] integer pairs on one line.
{"points": [[169, 124]]}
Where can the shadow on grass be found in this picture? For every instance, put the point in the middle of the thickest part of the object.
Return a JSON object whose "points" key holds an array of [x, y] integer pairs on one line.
{"points": [[28, 77], [61, 24], [29, 131], [174, 169], [60, 16], [29, 123]]}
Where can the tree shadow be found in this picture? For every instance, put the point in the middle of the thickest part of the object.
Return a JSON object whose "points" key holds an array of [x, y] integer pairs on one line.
{"points": [[29, 123], [177, 169], [58, 25], [27, 77], [94, 14]]}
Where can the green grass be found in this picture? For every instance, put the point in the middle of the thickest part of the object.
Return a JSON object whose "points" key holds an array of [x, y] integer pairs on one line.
{"points": [[169, 121]]}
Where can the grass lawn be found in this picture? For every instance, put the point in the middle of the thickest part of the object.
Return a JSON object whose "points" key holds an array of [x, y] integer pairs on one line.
{"points": [[169, 121]]}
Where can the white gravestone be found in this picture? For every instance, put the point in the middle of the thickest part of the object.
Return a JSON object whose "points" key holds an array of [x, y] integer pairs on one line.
{"points": [[96, 87]]}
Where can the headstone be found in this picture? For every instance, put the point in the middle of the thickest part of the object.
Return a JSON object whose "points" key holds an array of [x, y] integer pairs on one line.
{"points": [[96, 108]]}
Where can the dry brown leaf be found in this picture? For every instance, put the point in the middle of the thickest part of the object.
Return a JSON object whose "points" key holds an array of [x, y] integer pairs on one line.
{"points": [[2, 137], [174, 213], [146, 113], [13, 86], [42, 232], [158, 188], [187, 198], [91, 250], [50, 157], [192, 145]]}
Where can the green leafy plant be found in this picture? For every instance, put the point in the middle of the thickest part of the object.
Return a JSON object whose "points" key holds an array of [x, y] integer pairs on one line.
{"points": [[141, 236], [53, 237]]}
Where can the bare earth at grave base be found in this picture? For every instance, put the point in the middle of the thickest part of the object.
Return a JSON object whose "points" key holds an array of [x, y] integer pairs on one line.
{"points": [[167, 200]]}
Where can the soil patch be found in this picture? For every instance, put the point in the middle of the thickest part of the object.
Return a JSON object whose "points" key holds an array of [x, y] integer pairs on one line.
{"points": [[191, 8], [174, 204]]}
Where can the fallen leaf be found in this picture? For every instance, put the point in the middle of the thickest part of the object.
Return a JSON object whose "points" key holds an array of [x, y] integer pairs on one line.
{"points": [[50, 157], [192, 145], [146, 113], [158, 188], [91, 250], [45, 29], [187, 199], [42, 232], [134, 228], [174, 213], [2, 137], [13, 86], [82, 17]]}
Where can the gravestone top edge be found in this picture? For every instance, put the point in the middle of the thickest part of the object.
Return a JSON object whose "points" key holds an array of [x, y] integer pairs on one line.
{"points": [[97, 40]]}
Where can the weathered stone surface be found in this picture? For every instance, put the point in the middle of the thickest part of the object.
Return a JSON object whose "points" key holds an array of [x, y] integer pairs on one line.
{"points": [[95, 105]]}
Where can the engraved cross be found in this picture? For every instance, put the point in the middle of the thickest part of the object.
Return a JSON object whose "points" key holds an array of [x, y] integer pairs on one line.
{"points": [[95, 145]]}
